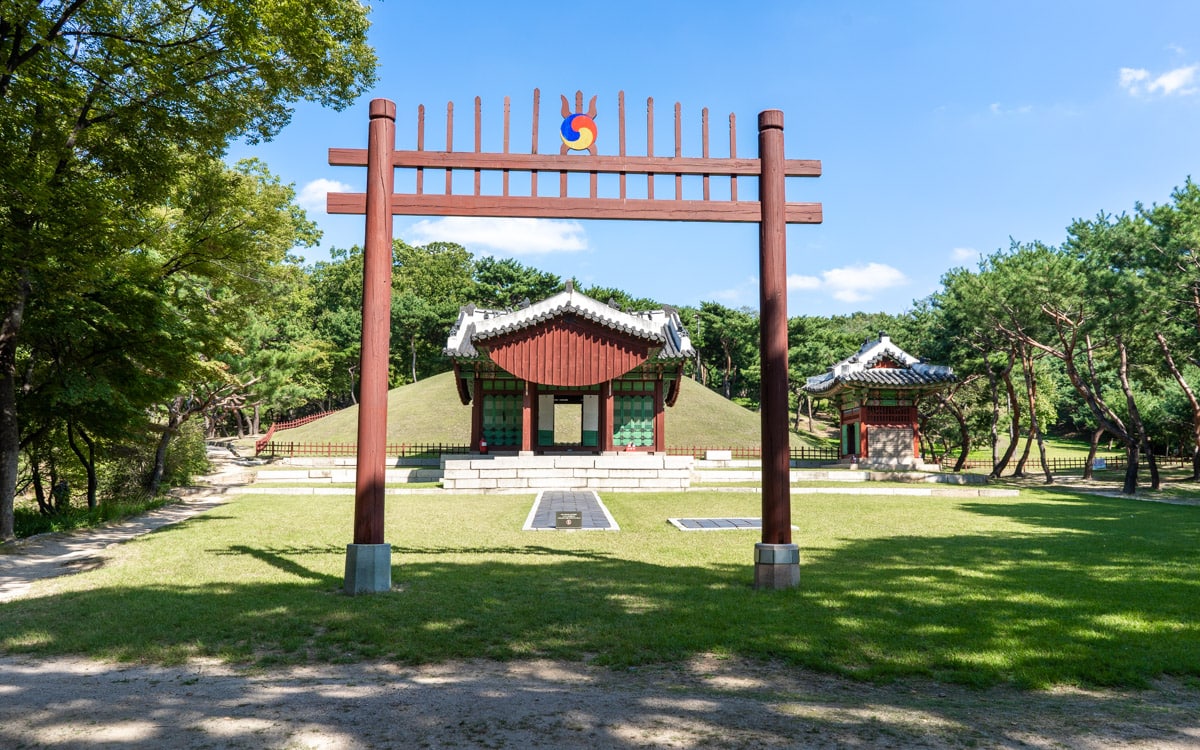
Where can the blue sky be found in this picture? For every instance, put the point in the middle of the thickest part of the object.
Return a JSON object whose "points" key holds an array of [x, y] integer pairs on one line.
{"points": [[944, 128]]}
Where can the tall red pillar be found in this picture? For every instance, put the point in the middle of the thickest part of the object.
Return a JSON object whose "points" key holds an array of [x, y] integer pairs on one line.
{"points": [[776, 558], [368, 561]]}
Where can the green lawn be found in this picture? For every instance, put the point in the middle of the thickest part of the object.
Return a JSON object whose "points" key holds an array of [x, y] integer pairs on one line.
{"points": [[1043, 589]]}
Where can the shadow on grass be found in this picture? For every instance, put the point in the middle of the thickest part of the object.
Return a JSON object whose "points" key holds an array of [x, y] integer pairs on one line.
{"points": [[1096, 592]]}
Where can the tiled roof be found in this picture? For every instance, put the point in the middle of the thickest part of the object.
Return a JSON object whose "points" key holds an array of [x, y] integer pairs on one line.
{"points": [[861, 369], [476, 324]]}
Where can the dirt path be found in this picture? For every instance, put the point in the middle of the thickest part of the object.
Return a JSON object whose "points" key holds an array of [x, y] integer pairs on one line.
{"points": [[49, 555], [706, 703]]}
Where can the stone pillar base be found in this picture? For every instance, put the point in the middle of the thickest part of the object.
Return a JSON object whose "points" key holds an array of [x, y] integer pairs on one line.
{"points": [[368, 568], [776, 566]]}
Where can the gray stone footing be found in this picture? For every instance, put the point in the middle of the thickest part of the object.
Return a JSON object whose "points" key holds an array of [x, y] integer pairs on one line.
{"points": [[368, 568], [776, 566]]}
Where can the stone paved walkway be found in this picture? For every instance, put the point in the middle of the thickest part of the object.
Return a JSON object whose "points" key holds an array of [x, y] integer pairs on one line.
{"points": [[586, 502]]}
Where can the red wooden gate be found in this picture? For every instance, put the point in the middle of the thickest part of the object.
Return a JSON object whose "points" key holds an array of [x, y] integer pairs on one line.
{"points": [[380, 202]]}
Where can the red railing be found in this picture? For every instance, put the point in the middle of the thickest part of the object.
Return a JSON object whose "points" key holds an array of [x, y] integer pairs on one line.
{"points": [[262, 442]]}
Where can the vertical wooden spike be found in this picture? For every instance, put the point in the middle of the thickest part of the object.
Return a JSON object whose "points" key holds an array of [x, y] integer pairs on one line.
{"points": [[650, 144], [678, 152], [478, 138], [704, 145], [733, 155], [420, 147], [449, 145], [537, 103], [621, 135], [507, 109]]}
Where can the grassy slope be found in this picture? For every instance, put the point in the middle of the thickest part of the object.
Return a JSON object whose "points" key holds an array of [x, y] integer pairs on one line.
{"points": [[429, 411]]}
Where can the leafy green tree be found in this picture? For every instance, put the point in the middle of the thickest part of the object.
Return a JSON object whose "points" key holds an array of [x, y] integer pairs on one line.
{"points": [[337, 319], [501, 283], [728, 342], [101, 102]]}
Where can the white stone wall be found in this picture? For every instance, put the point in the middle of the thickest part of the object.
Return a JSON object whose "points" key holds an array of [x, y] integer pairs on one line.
{"points": [[611, 472]]}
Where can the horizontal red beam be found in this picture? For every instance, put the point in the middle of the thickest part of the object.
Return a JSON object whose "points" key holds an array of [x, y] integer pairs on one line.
{"points": [[573, 208], [357, 157]]}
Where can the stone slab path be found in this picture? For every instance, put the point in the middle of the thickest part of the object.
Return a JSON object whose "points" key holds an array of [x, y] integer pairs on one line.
{"points": [[595, 516]]}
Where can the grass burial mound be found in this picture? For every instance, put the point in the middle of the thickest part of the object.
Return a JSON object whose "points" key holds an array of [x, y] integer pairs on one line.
{"points": [[429, 412]]}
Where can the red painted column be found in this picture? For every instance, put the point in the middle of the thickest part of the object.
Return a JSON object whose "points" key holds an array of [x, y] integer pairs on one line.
{"points": [[476, 413], [776, 455], [527, 423], [660, 418], [376, 320], [606, 416]]}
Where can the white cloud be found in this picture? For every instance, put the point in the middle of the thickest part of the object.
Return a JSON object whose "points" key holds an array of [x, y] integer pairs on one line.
{"points": [[855, 283], [964, 254], [858, 283], [1000, 111], [800, 283], [312, 195], [513, 236], [1177, 82]]}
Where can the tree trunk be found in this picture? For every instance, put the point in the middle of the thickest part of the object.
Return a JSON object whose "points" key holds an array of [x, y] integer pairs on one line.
{"points": [[257, 419], [1137, 438], [39, 487], [10, 429], [1014, 409], [1035, 427], [87, 460], [808, 408], [1092, 448], [1132, 456], [174, 419], [1020, 470], [1190, 395], [412, 347], [351, 370], [994, 388]]}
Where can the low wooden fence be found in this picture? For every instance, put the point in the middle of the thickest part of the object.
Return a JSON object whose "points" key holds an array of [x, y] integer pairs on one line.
{"points": [[279, 449], [747, 454], [1063, 465]]}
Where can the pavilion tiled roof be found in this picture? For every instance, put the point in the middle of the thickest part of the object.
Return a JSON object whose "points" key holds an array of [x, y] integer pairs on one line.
{"points": [[862, 369], [476, 324]]}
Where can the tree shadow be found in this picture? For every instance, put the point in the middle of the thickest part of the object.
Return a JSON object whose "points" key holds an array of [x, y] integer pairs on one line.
{"points": [[1077, 592]]}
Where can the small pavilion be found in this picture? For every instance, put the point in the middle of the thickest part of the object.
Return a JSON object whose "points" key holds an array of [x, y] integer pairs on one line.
{"points": [[877, 391], [572, 360]]}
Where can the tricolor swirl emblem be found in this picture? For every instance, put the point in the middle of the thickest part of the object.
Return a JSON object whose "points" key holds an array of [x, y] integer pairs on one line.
{"points": [[578, 132]]}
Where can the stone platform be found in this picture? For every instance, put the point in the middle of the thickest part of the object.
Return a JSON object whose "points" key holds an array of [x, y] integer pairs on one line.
{"points": [[615, 471]]}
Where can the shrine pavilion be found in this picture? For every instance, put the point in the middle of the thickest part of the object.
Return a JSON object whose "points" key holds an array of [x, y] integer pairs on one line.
{"points": [[568, 374], [877, 391]]}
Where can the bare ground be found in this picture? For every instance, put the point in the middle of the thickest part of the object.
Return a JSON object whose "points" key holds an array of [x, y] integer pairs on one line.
{"points": [[707, 702]]}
